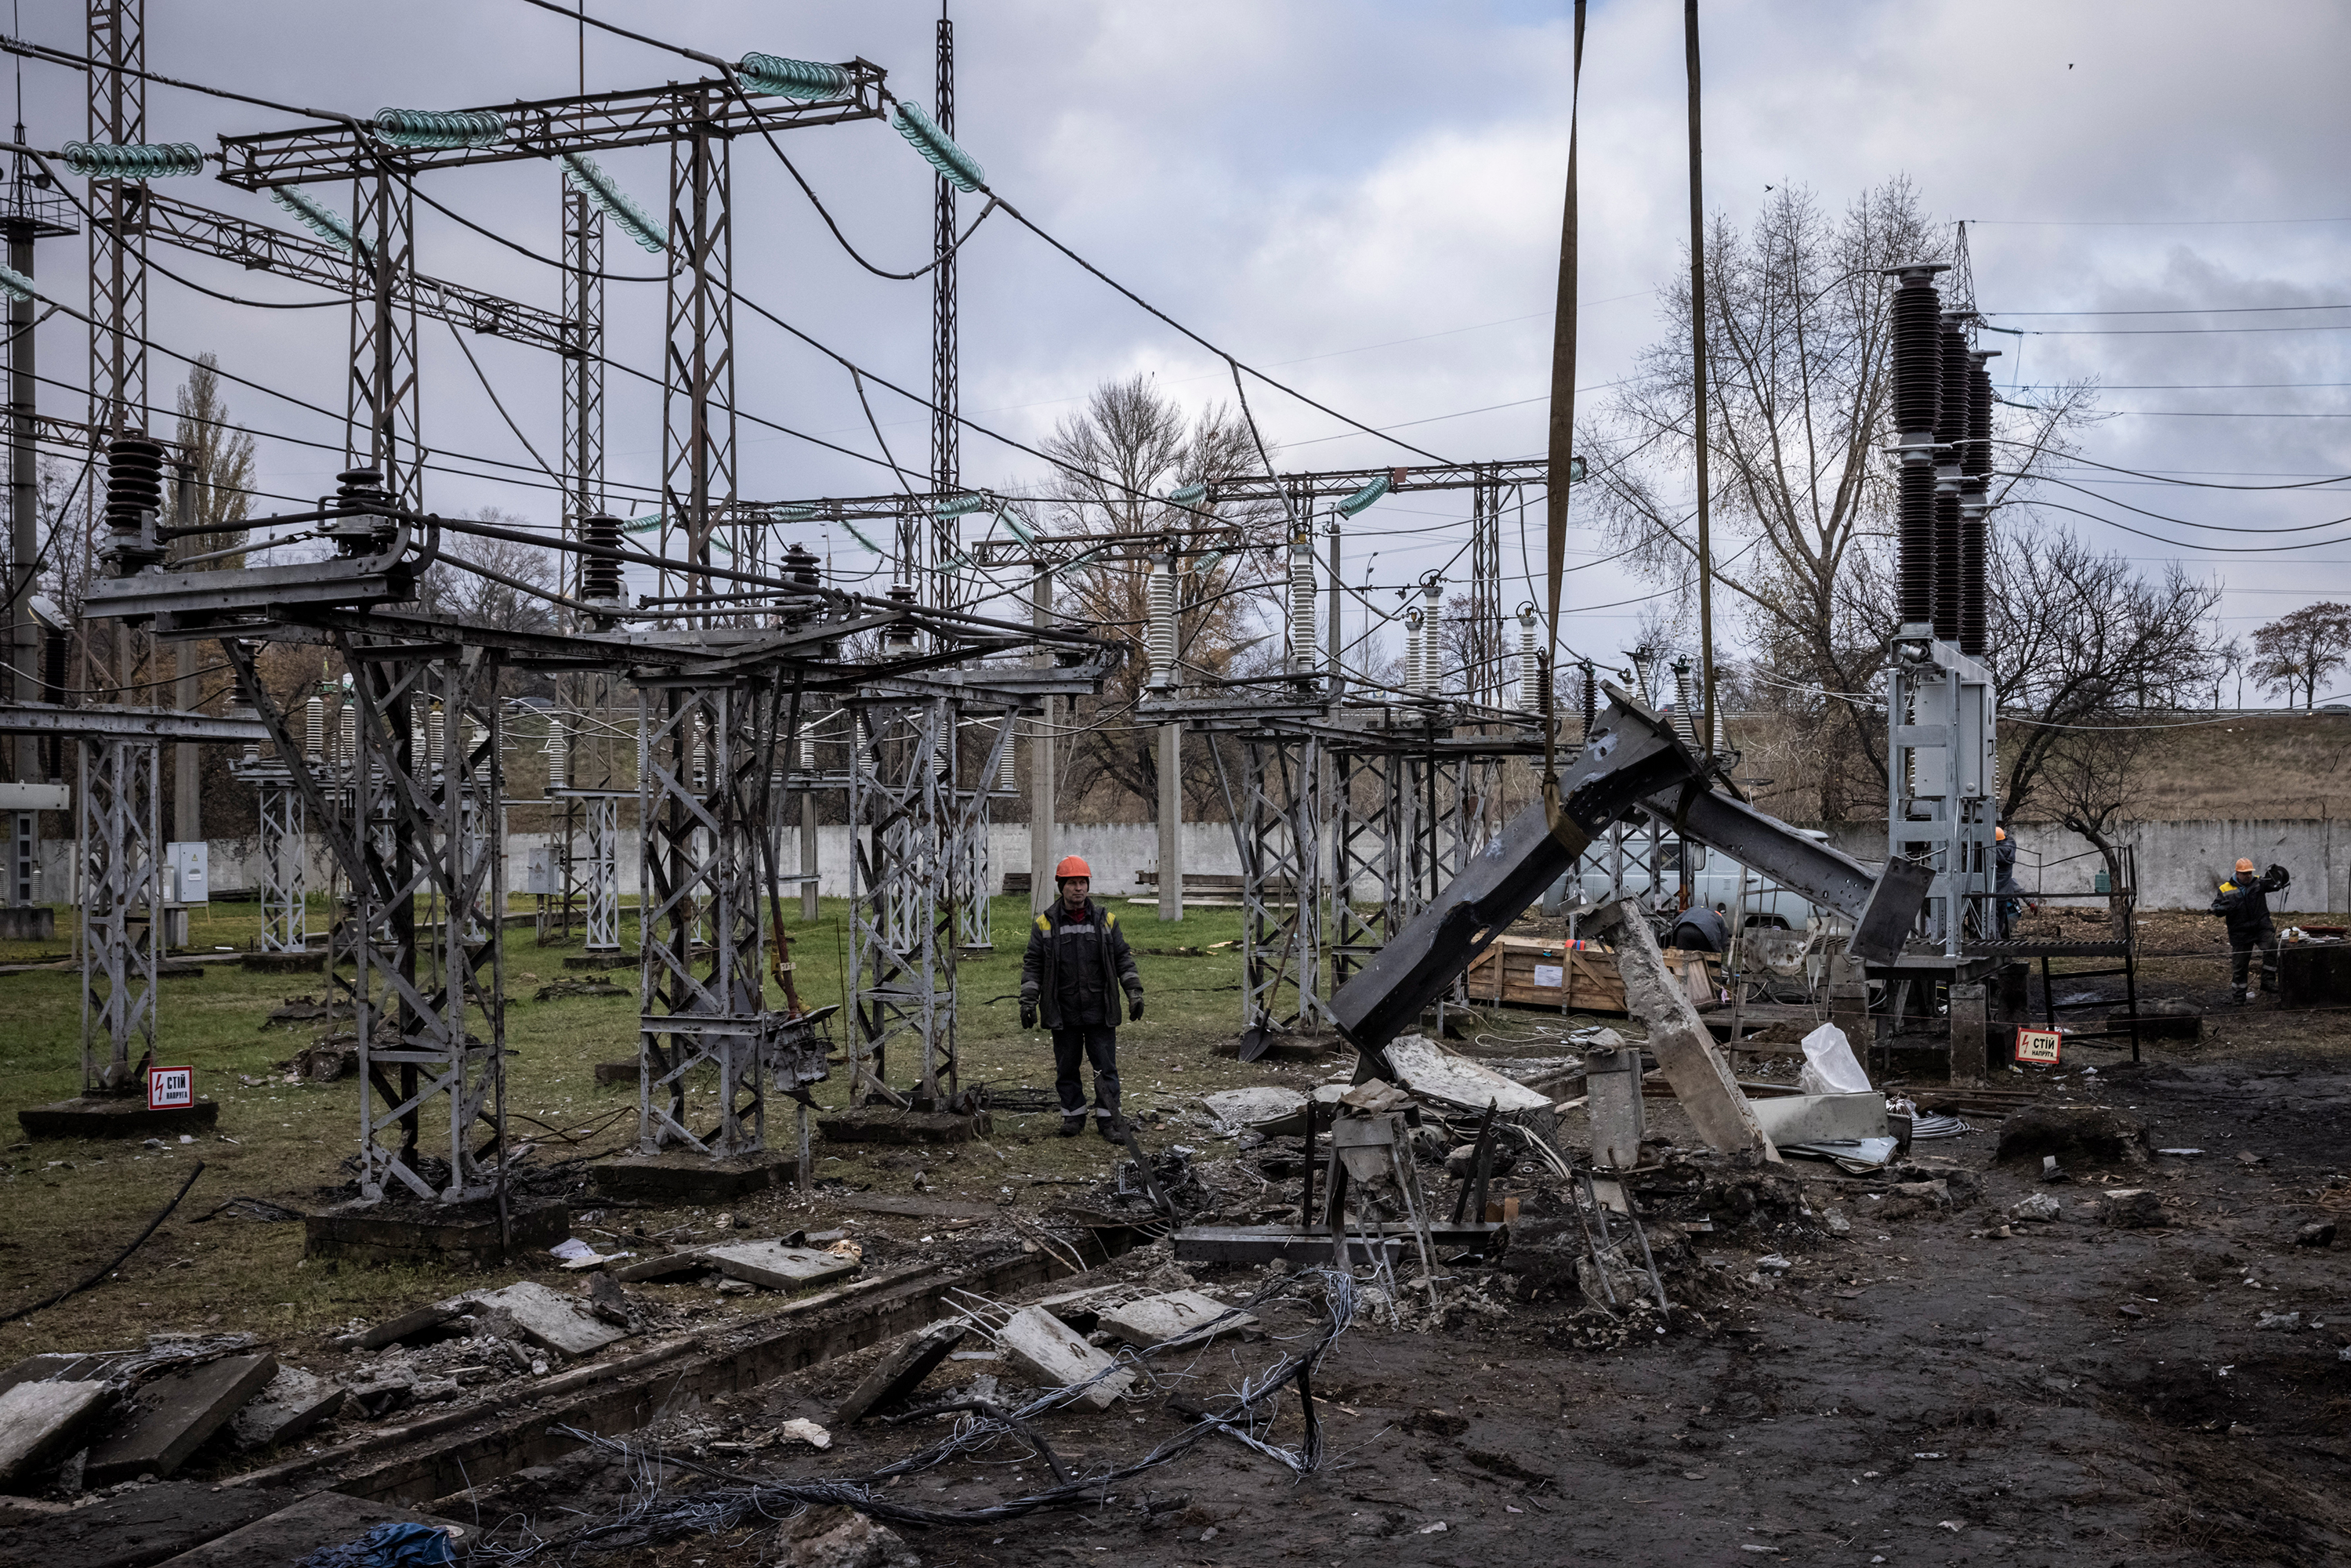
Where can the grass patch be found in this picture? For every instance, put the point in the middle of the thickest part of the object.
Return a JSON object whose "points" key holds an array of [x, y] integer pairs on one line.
{"points": [[71, 1203]]}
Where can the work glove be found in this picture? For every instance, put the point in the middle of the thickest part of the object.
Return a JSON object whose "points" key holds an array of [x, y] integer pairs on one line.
{"points": [[1028, 1015], [1134, 1009]]}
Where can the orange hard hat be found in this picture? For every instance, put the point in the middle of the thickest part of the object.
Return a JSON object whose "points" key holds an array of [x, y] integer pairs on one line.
{"points": [[1999, 833], [1071, 866], [2244, 867]]}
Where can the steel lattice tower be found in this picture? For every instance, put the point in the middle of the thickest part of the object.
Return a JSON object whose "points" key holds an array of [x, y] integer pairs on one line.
{"points": [[946, 457]]}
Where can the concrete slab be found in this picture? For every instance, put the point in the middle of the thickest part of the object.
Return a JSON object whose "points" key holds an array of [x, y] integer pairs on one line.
{"points": [[51, 1369], [686, 1178], [291, 1534], [137, 1528], [558, 1321], [283, 963], [294, 1402], [40, 1422], [1816, 1118], [1432, 1072], [777, 1266], [466, 1236], [1081, 1310], [901, 1371], [887, 1126], [127, 1118], [671, 1266], [1052, 1354], [173, 1414], [1154, 1320], [393, 1330]]}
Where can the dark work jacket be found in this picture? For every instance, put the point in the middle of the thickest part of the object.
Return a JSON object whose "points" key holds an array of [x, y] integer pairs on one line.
{"points": [[1714, 934], [2246, 908], [1074, 968], [2005, 859]]}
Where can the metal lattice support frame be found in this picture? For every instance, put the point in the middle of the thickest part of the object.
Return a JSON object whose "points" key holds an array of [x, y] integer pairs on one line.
{"points": [[973, 875], [407, 829], [698, 367], [583, 369], [118, 251], [285, 908], [705, 751], [118, 814], [1370, 841], [380, 404], [903, 894], [601, 873], [1277, 819]]}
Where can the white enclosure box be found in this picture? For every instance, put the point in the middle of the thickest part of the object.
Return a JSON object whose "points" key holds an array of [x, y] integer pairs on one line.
{"points": [[188, 868]]}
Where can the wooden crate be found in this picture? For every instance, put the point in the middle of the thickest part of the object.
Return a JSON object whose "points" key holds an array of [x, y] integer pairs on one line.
{"points": [[1528, 972]]}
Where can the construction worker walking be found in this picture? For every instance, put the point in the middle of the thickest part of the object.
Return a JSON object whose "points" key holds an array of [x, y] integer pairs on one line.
{"points": [[1077, 962], [2243, 901]]}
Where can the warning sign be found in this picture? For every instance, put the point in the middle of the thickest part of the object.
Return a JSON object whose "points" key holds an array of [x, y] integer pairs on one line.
{"points": [[171, 1088], [2038, 1045]]}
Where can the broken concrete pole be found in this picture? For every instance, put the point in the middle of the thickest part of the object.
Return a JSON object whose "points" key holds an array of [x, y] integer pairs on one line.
{"points": [[901, 1371], [550, 1317], [173, 1416], [777, 1266], [1050, 1353], [670, 1267], [294, 1402], [1154, 1320], [41, 1422], [1701, 1078]]}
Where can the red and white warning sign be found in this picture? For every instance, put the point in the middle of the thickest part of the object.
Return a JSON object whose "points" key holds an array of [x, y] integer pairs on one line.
{"points": [[171, 1088], [2038, 1046]]}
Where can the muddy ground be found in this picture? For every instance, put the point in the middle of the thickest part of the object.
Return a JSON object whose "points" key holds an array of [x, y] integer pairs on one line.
{"points": [[1919, 1389]]}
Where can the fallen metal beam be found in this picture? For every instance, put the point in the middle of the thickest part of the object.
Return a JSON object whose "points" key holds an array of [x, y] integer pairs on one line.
{"points": [[1630, 758]]}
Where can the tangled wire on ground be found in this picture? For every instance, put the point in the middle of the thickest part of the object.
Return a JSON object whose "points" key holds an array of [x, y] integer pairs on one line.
{"points": [[735, 1502]]}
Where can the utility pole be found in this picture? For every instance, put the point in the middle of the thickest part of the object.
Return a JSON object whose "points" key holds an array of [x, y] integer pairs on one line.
{"points": [[1040, 761], [30, 216], [1169, 601], [1697, 382]]}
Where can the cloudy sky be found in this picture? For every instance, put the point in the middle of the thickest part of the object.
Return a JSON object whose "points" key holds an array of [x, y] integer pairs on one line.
{"points": [[1362, 198]]}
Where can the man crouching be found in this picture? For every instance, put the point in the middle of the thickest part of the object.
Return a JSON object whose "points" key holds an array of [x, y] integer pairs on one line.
{"points": [[1077, 961]]}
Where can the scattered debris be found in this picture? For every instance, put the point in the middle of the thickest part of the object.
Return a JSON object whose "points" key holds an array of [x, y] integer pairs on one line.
{"points": [[1049, 1352], [2096, 1134], [2038, 1205], [901, 1371], [2317, 1233], [2134, 1209]]}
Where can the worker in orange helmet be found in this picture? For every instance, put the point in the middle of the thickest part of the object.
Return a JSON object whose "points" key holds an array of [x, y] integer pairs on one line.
{"points": [[1077, 962]]}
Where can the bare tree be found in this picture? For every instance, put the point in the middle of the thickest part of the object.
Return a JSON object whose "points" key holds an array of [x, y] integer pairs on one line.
{"points": [[2297, 653], [1129, 447], [2090, 778], [1799, 334], [460, 583], [2079, 642]]}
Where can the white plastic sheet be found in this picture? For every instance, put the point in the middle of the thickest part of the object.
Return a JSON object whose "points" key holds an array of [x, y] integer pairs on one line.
{"points": [[1829, 1064]]}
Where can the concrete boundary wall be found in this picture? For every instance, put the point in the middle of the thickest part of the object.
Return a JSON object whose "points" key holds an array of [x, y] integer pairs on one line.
{"points": [[2179, 863]]}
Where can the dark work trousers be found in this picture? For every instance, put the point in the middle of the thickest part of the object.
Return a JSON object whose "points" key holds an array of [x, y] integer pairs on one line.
{"points": [[2241, 956], [1093, 1042]]}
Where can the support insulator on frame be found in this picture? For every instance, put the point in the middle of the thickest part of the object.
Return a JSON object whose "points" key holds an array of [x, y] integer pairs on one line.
{"points": [[1161, 596], [1304, 658]]}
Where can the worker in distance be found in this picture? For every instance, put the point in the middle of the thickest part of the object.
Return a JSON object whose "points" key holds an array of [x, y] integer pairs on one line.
{"points": [[1077, 963], [2243, 901]]}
